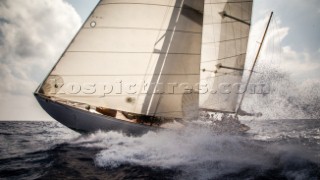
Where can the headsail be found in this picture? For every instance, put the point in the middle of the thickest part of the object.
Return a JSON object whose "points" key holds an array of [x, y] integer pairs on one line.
{"points": [[124, 48], [224, 46]]}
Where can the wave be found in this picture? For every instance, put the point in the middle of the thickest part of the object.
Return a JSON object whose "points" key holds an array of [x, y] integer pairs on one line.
{"points": [[193, 153], [199, 154]]}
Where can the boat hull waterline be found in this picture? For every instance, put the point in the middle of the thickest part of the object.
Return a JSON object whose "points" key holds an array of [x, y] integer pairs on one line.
{"points": [[85, 121]]}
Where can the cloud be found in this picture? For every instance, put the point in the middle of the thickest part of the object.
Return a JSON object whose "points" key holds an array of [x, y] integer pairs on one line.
{"points": [[33, 34], [272, 41], [21, 107], [291, 75], [299, 64]]}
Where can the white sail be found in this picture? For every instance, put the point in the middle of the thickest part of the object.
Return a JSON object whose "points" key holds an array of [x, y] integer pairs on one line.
{"points": [[123, 48], [224, 45]]}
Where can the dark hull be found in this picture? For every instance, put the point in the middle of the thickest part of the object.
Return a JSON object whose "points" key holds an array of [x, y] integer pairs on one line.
{"points": [[85, 121]]}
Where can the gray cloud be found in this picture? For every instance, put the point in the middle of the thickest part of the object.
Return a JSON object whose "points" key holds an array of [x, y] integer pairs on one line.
{"points": [[33, 33]]}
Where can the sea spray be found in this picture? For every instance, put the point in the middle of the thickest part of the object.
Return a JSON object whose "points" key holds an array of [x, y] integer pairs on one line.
{"points": [[286, 99], [197, 153]]}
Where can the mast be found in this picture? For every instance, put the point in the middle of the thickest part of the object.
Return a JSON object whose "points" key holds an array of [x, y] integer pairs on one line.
{"points": [[254, 63]]}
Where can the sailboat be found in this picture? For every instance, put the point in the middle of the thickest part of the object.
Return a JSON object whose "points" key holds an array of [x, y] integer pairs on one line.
{"points": [[140, 65]]}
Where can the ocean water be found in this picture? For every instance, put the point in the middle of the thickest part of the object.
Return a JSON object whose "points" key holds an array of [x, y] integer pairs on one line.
{"points": [[273, 149]]}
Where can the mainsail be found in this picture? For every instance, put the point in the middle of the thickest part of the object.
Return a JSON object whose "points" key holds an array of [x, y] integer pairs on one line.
{"points": [[224, 45], [128, 52]]}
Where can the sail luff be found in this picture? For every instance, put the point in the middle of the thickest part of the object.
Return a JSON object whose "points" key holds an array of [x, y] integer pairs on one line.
{"points": [[121, 47], [53, 67]]}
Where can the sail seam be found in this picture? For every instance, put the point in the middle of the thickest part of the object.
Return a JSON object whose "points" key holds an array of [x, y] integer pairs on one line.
{"points": [[231, 2], [225, 40], [191, 74], [103, 4], [224, 58], [227, 22], [138, 28], [112, 52], [163, 5]]}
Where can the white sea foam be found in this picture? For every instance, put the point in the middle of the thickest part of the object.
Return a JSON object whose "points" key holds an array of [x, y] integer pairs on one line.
{"points": [[198, 153], [286, 99]]}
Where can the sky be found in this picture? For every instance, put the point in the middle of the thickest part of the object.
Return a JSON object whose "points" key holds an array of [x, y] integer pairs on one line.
{"points": [[34, 33]]}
